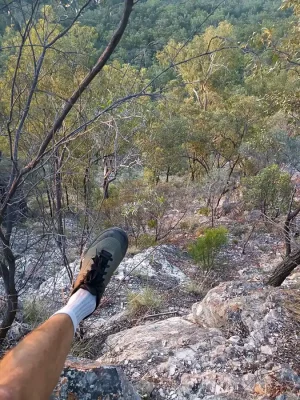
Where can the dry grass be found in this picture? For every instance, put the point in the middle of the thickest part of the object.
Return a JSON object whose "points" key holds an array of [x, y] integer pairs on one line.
{"points": [[35, 312], [148, 300]]}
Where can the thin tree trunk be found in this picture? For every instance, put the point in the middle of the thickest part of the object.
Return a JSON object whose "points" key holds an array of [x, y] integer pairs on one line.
{"points": [[58, 197], [247, 240], [192, 163], [49, 202], [67, 198], [287, 225], [168, 174], [61, 240], [284, 269], [9, 316], [8, 275], [287, 238], [105, 188], [86, 180]]}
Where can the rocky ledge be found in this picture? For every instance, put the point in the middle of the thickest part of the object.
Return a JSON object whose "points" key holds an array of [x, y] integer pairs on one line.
{"points": [[240, 342]]}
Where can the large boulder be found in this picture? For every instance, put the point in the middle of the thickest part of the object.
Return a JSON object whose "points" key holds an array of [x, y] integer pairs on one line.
{"points": [[239, 342], [155, 262], [159, 338], [85, 380]]}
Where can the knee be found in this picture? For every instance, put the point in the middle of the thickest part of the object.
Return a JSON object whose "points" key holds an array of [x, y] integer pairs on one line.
{"points": [[7, 394]]}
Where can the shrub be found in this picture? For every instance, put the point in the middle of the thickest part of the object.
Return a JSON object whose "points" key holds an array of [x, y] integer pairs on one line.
{"points": [[145, 240], [194, 287], [206, 247], [205, 211], [147, 300], [269, 191], [35, 312], [184, 225]]}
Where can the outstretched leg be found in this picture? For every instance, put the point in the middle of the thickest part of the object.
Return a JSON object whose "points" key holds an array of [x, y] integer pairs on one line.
{"points": [[31, 370]]}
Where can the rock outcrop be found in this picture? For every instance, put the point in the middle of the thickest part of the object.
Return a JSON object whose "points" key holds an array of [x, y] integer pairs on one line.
{"points": [[85, 380], [240, 342]]}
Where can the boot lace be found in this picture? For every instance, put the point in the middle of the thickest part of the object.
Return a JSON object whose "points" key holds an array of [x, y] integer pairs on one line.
{"points": [[96, 275]]}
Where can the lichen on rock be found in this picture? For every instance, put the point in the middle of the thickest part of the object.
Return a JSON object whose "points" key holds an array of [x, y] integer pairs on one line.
{"points": [[86, 380]]}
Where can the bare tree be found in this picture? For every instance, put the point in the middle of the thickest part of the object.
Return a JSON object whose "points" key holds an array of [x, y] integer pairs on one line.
{"points": [[50, 143], [292, 258]]}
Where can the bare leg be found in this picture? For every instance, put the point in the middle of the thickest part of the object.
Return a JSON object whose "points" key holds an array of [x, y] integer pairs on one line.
{"points": [[31, 370]]}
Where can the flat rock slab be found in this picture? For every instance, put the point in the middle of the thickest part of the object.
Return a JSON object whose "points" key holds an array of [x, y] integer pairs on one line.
{"points": [[83, 379]]}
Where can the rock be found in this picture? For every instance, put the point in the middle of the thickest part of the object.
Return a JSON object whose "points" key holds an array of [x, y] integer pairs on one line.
{"points": [[152, 262], [136, 343], [144, 388], [211, 382], [17, 331], [85, 380], [224, 304], [287, 396], [266, 350], [226, 349], [59, 282]]}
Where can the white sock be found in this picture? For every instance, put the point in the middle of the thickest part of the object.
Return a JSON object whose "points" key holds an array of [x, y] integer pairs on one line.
{"points": [[79, 306]]}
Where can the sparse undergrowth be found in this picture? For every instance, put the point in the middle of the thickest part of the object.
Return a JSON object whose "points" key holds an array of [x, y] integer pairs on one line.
{"points": [[195, 288], [148, 300], [205, 249], [35, 312]]}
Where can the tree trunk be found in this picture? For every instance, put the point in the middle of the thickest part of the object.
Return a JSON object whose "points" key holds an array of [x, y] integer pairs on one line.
{"points": [[86, 192], [67, 198], [8, 276], [58, 196], [49, 203], [168, 174], [10, 314], [192, 163], [61, 240], [287, 237], [212, 216], [105, 188], [284, 269]]}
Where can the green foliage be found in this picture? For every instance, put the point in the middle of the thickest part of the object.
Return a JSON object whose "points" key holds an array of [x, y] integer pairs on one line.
{"points": [[270, 191], [204, 211], [35, 312], [145, 240], [152, 223], [154, 23], [194, 287], [205, 249], [148, 300]]}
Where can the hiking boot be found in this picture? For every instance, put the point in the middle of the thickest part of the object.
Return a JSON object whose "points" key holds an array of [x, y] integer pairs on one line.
{"points": [[100, 261]]}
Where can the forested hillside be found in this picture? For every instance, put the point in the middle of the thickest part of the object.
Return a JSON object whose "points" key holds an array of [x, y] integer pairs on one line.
{"points": [[155, 22], [195, 110]]}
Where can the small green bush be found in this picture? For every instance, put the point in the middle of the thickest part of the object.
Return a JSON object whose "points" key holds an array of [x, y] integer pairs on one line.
{"points": [[35, 312], [152, 223], [207, 246], [194, 287], [145, 240], [205, 211], [147, 300], [239, 230], [184, 225], [269, 191]]}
